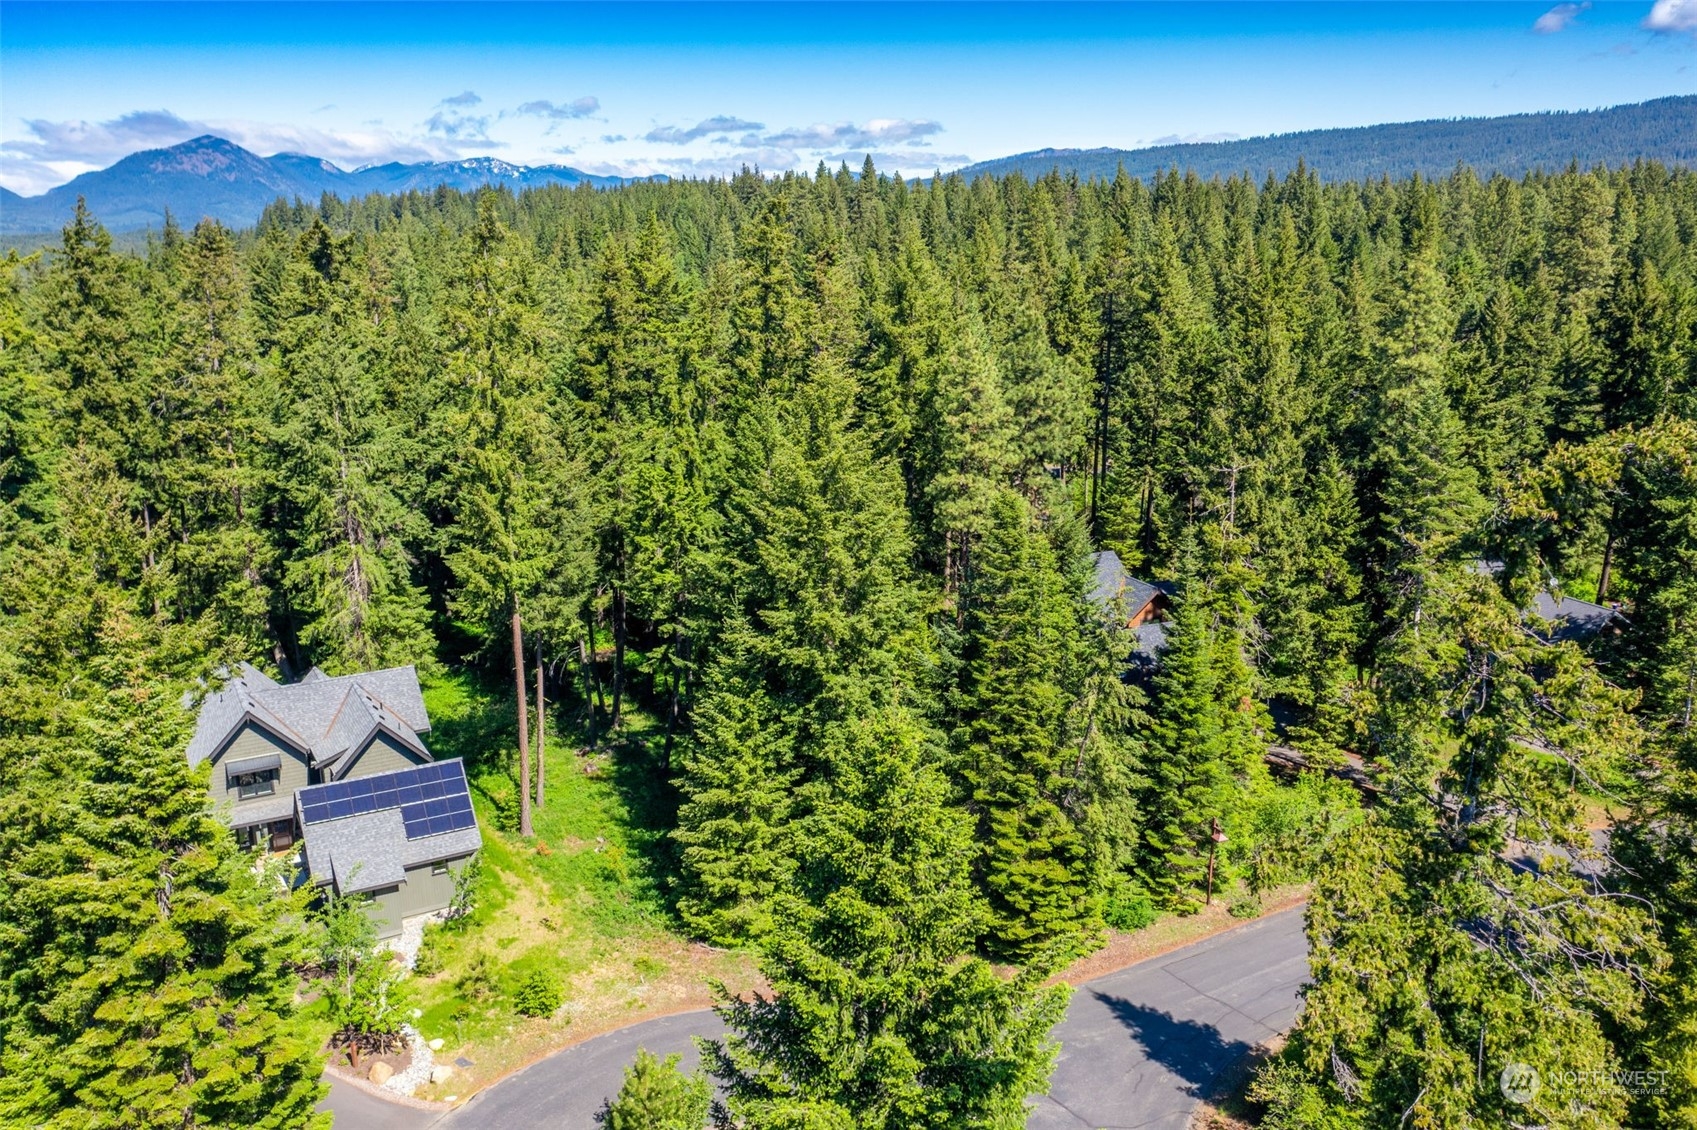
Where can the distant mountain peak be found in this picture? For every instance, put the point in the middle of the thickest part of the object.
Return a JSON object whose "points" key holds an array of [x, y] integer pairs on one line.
{"points": [[213, 176]]}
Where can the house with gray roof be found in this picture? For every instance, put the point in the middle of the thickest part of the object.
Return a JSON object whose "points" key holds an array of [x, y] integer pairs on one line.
{"points": [[1562, 619], [1137, 605], [275, 750], [399, 837]]}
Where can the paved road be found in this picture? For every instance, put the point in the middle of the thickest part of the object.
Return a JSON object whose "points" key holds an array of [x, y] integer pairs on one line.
{"points": [[356, 1110], [1138, 1047]]}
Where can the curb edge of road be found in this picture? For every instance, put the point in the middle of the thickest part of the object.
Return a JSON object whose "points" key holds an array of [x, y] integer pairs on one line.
{"points": [[1061, 978], [442, 1109]]}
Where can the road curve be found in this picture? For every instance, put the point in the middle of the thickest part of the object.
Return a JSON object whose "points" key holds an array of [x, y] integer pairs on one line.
{"points": [[1138, 1047]]}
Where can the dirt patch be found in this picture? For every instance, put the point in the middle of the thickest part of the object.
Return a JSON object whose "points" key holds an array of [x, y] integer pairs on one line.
{"points": [[669, 977], [339, 1061], [1168, 934]]}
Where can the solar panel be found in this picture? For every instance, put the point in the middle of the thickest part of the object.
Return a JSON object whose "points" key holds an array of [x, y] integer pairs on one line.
{"points": [[433, 798]]}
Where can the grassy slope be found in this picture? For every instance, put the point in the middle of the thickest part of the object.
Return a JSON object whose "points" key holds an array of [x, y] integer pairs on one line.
{"points": [[583, 899]]}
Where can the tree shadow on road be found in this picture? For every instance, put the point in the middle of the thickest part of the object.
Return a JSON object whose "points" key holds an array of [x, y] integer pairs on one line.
{"points": [[1195, 1052]]}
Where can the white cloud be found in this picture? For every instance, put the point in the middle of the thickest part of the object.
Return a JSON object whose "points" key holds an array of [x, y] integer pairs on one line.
{"points": [[461, 128], [56, 151], [772, 159], [1194, 138], [469, 98], [1558, 18], [560, 111], [878, 131], [1672, 15], [719, 123]]}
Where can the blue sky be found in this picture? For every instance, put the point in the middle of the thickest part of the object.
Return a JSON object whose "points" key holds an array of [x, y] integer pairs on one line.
{"points": [[703, 88]]}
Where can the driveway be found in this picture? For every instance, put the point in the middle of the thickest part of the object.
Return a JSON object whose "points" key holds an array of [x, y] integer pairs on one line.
{"points": [[1138, 1047]]}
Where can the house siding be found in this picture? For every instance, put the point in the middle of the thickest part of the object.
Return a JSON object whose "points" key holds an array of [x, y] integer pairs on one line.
{"points": [[382, 755], [420, 894], [253, 742]]}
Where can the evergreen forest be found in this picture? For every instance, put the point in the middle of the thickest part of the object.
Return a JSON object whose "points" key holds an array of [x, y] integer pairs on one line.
{"points": [[810, 471]]}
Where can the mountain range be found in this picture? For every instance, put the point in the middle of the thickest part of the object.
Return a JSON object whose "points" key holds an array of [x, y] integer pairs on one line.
{"points": [[210, 176], [1662, 130]]}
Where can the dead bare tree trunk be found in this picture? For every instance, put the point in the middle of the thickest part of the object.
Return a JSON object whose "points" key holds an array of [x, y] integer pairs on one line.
{"points": [[1608, 563], [594, 664], [674, 708], [618, 657], [524, 723], [541, 713]]}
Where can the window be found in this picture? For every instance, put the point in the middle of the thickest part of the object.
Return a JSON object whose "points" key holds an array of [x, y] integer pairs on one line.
{"points": [[262, 783]]}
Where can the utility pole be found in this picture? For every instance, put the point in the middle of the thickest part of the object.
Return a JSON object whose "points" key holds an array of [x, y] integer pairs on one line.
{"points": [[1215, 839]]}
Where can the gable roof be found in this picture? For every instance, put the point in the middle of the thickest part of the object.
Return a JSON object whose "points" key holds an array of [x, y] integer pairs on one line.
{"points": [[364, 833], [1114, 583], [1571, 618], [1568, 618], [321, 717]]}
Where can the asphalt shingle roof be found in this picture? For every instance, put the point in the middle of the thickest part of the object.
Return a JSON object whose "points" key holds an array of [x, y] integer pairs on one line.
{"points": [[321, 716], [371, 849], [1570, 618], [1114, 583]]}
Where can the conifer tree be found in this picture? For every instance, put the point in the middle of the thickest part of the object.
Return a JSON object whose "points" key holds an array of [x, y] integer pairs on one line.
{"points": [[148, 967], [512, 544], [1032, 866], [1189, 782], [336, 453], [1437, 962], [733, 826], [657, 1096], [874, 1020]]}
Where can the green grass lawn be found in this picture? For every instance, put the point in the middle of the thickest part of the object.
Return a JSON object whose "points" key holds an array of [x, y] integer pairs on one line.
{"points": [[583, 899]]}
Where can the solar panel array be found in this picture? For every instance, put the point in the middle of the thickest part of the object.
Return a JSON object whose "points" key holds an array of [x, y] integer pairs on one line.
{"points": [[432, 799]]}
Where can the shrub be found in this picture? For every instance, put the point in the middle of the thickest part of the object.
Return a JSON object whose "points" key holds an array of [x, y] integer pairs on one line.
{"points": [[1245, 908], [428, 961], [466, 880], [657, 1096], [537, 995], [368, 1010], [477, 982], [1129, 910], [648, 968]]}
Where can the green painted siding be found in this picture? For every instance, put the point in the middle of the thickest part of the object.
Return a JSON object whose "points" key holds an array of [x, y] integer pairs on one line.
{"points": [[383, 755], [252, 742], [422, 893], [384, 901]]}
